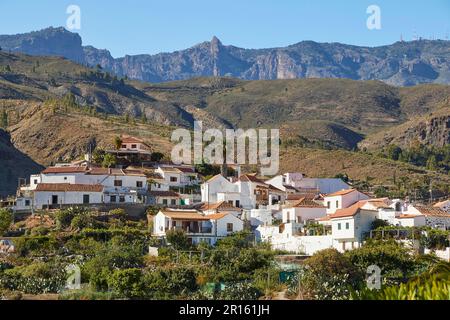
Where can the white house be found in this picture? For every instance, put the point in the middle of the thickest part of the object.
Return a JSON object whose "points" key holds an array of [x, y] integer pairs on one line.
{"points": [[218, 188], [220, 207], [292, 182], [164, 198], [349, 225], [133, 149], [434, 217], [302, 211], [49, 195], [342, 199], [118, 186], [178, 176], [198, 227]]}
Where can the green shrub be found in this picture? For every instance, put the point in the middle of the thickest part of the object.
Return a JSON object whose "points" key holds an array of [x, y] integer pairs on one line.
{"points": [[64, 217], [178, 239], [36, 278], [394, 260], [35, 245], [127, 283], [6, 219]]}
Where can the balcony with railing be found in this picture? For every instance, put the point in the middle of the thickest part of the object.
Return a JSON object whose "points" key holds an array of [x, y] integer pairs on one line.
{"points": [[193, 228]]}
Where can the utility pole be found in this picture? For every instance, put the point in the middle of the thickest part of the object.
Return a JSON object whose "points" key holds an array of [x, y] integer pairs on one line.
{"points": [[431, 191]]}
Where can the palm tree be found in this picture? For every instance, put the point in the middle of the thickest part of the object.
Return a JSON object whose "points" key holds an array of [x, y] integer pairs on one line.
{"points": [[117, 142]]}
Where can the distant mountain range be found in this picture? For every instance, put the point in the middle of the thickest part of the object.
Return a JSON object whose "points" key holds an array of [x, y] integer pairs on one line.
{"points": [[400, 64]]}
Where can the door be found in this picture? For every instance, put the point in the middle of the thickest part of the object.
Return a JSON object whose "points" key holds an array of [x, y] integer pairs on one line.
{"points": [[86, 199], [54, 199]]}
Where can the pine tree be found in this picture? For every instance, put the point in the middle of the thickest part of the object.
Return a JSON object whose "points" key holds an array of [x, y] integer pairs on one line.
{"points": [[4, 120]]}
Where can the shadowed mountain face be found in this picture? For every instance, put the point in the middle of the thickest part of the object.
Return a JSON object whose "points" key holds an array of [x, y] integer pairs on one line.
{"points": [[401, 64], [14, 165]]}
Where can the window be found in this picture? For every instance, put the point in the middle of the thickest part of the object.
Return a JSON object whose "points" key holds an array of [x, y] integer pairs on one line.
{"points": [[339, 226], [65, 178], [35, 181], [27, 203], [117, 183], [139, 184], [86, 199], [124, 146], [328, 204], [229, 227], [133, 146], [173, 202], [164, 201], [347, 225], [337, 204], [122, 199], [113, 198], [173, 179]]}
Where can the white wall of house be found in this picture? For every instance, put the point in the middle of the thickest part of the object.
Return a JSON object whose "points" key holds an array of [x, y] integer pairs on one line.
{"points": [[219, 184], [260, 217], [417, 221], [23, 204], [167, 201], [302, 214], [160, 224], [119, 198], [287, 241], [44, 198], [128, 181], [235, 197], [227, 226], [434, 222], [248, 196], [133, 146], [159, 186], [343, 201]]}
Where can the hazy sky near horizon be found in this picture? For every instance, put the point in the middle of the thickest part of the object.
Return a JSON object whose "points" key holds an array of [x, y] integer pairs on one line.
{"points": [[139, 26]]}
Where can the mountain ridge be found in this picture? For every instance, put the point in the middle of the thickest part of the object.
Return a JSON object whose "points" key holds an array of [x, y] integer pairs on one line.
{"points": [[399, 64]]}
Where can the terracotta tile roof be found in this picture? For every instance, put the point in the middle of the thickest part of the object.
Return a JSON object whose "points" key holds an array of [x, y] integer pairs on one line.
{"points": [[217, 216], [164, 194], [186, 169], [348, 212], [327, 218], [250, 178], [130, 139], [114, 172], [66, 187], [65, 170], [295, 197], [299, 196], [380, 203], [215, 177], [306, 203], [432, 212], [223, 205], [340, 193], [442, 203], [409, 216], [184, 215], [275, 189]]}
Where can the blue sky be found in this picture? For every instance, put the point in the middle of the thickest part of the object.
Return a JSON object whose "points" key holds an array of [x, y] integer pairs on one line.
{"points": [[139, 26]]}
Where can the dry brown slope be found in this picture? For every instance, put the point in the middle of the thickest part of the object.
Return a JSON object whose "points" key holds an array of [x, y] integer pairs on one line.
{"points": [[48, 137]]}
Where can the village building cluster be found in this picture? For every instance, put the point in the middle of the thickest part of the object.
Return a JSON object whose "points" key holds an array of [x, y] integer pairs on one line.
{"points": [[290, 211]]}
